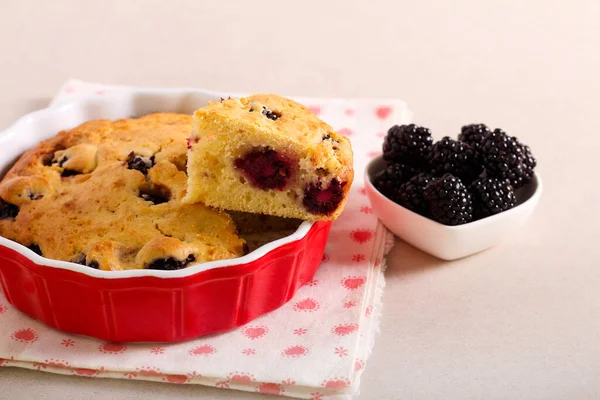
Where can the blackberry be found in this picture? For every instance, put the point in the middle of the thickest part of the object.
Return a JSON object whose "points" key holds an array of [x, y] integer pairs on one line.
{"points": [[36, 249], [62, 161], [272, 115], [81, 259], [154, 198], [170, 263], [389, 180], [324, 201], [491, 196], [267, 112], [407, 144], [265, 168], [473, 135], [448, 201], [503, 158], [8, 210], [61, 164], [68, 172], [139, 163], [456, 158], [410, 194], [529, 163]]}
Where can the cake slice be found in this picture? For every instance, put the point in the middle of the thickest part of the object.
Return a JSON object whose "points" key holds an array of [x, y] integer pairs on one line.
{"points": [[270, 155]]}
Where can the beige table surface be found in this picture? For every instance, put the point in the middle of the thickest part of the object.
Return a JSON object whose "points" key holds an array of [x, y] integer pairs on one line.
{"points": [[520, 321]]}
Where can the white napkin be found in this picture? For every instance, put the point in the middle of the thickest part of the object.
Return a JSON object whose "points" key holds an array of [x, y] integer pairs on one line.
{"points": [[314, 347]]}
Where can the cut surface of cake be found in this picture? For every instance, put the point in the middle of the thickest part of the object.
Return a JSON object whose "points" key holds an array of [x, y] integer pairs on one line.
{"points": [[107, 194], [270, 155]]}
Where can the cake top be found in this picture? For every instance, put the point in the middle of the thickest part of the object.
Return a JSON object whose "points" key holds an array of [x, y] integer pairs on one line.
{"points": [[108, 195], [283, 116]]}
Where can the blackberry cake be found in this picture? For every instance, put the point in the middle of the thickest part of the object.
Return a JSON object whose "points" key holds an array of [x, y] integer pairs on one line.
{"points": [[109, 195], [270, 155]]}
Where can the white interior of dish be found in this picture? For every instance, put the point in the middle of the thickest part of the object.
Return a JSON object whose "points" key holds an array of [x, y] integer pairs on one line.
{"points": [[29, 130]]}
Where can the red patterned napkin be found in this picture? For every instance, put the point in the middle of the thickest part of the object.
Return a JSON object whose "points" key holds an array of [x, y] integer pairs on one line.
{"points": [[315, 346]]}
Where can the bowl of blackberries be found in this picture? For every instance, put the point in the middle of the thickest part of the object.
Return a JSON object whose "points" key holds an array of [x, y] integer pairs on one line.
{"points": [[454, 197]]}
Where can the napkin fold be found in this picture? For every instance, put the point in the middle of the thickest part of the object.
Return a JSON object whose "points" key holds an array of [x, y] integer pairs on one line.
{"points": [[314, 347]]}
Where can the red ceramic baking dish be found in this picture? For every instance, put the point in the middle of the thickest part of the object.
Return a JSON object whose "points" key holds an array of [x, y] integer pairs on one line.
{"points": [[147, 305]]}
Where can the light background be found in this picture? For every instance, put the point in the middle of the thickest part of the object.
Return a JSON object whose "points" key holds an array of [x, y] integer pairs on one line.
{"points": [[520, 321]]}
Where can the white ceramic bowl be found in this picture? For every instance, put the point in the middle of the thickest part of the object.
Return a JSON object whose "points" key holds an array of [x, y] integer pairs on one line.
{"points": [[450, 242]]}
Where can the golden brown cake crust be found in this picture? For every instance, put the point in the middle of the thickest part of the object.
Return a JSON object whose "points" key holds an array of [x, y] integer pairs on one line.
{"points": [[293, 119], [108, 194]]}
